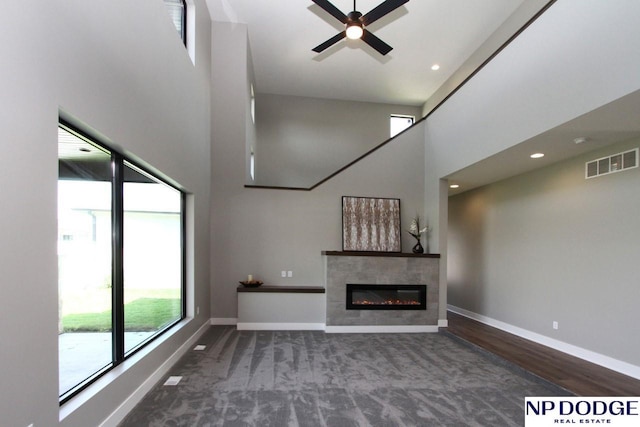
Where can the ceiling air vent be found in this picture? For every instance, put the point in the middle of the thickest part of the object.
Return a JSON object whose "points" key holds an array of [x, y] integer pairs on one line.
{"points": [[612, 164]]}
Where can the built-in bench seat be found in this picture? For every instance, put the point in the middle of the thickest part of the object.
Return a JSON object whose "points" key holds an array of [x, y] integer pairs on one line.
{"points": [[273, 307]]}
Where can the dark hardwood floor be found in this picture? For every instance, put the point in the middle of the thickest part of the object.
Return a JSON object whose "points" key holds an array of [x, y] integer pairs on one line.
{"points": [[576, 375]]}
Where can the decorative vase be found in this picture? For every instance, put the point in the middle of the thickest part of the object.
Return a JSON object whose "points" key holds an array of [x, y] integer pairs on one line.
{"points": [[418, 249]]}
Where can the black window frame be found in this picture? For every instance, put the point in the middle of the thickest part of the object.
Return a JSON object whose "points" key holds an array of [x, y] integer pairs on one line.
{"points": [[118, 161]]}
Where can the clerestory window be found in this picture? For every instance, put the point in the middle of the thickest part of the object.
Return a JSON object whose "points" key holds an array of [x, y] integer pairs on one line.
{"points": [[178, 12], [398, 123]]}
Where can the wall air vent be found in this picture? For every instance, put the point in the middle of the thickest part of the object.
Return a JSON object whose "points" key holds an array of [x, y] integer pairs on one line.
{"points": [[612, 164]]}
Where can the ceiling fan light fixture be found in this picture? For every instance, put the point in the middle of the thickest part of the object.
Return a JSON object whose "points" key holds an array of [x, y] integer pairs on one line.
{"points": [[354, 31], [355, 24]]}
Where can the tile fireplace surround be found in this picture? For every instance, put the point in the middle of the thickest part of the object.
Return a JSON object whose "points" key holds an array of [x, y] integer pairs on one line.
{"points": [[378, 268]]}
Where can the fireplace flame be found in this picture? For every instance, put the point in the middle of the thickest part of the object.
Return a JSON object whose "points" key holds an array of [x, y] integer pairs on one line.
{"points": [[386, 302]]}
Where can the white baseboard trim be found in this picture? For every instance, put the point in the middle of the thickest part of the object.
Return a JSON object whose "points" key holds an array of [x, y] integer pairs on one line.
{"points": [[443, 323], [582, 353], [264, 326], [381, 329], [226, 321], [134, 398]]}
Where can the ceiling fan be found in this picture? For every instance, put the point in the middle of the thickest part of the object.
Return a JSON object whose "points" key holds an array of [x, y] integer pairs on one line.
{"points": [[355, 24]]}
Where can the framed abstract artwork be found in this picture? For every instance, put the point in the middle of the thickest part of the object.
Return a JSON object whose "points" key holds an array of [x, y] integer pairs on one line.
{"points": [[371, 224]]}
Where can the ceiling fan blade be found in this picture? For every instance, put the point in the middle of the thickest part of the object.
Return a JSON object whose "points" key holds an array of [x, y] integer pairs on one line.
{"points": [[381, 10], [375, 42], [332, 10], [333, 40]]}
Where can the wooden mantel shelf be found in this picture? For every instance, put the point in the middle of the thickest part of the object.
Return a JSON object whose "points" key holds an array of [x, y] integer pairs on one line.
{"points": [[380, 254], [284, 289]]}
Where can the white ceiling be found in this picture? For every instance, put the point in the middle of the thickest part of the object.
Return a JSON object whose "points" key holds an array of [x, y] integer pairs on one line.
{"points": [[422, 33]]}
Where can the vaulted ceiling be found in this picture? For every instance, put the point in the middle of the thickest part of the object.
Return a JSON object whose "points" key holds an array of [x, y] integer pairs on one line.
{"points": [[458, 35], [421, 32]]}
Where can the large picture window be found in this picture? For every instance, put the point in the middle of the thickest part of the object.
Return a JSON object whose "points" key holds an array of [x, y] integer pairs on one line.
{"points": [[120, 259]]}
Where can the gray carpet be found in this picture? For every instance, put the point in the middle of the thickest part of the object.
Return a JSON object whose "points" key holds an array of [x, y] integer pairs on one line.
{"points": [[309, 378]]}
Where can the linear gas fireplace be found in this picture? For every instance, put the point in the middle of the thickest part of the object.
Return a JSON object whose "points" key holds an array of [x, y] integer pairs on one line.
{"points": [[386, 297]]}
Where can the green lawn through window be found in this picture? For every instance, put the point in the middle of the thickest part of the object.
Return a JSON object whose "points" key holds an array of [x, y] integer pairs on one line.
{"points": [[145, 310]]}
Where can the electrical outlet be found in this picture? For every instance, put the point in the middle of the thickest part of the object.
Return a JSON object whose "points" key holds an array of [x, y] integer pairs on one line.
{"points": [[555, 325], [289, 273], [283, 273], [197, 310]]}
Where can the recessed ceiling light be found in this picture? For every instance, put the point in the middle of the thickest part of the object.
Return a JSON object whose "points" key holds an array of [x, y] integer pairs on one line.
{"points": [[454, 186], [537, 155], [435, 67]]}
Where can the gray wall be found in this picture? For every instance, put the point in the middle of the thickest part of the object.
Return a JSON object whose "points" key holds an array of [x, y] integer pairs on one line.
{"points": [[509, 27], [118, 67], [263, 232], [558, 69], [301, 141], [552, 246]]}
